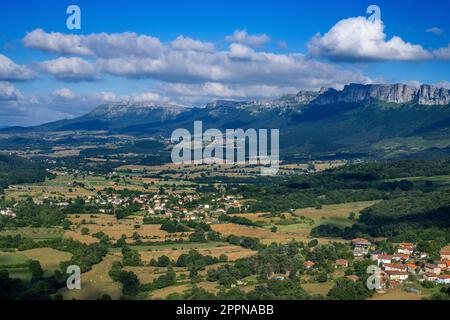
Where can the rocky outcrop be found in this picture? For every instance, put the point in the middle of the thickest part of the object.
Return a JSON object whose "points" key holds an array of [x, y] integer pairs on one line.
{"points": [[396, 93], [431, 95]]}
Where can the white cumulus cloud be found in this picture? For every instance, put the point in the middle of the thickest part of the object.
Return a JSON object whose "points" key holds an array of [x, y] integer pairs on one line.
{"points": [[437, 31], [96, 44], [242, 36], [357, 39], [8, 92], [10, 71], [64, 93], [70, 69], [443, 53], [184, 43]]}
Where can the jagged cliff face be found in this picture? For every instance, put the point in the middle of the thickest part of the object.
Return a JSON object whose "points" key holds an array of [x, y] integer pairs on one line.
{"points": [[396, 93], [430, 95], [353, 93]]}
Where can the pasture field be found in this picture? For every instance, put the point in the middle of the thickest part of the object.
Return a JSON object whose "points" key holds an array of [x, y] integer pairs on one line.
{"points": [[23, 273], [95, 283], [335, 214], [177, 246], [34, 233], [116, 228], [318, 288], [306, 218], [326, 165], [262, 217], [397, 294], [147, 274], [264, 234], [164, 292], [212, 287], [441, 180], [48, 257], [60, 186], [177, 172], [12, 259], [16, 264], [87, 239], [232, 252]]}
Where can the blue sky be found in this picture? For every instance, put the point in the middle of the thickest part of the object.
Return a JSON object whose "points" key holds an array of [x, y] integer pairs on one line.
{"points": [[229, 49]]}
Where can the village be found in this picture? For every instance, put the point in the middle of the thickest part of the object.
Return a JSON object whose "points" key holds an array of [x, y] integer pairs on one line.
{"points": [[406, 264], [134, 209]]}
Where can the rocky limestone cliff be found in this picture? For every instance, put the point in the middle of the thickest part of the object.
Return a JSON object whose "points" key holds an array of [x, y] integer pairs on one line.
{"points": [[396, 93]]}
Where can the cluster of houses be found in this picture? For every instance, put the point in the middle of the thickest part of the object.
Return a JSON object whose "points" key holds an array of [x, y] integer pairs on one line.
{"points": [[181, 207], [8, 212], [406, 262], [176, 206]]}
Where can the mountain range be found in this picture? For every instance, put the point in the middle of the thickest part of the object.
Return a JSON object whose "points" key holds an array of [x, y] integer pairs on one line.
{"points": [[375, 120]]}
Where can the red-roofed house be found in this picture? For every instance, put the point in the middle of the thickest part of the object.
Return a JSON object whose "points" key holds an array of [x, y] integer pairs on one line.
{"points": [[361, 242], [430, 276], [445, 253], [443, 279], [406, 248], [399, 276], [353, 277], [400, 257], [411, 267], [308, 265], [384, 258], [441, 263], [342, 263], [361, 247], [394, 267], [432, 268]]}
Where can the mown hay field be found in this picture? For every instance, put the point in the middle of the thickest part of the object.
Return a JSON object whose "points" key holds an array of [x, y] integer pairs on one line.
{"points": [[95, 283], [49, 258]]}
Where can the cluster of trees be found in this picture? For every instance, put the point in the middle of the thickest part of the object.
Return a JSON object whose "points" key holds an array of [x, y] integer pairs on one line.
{"points": [[413, 217], [131, 257], [245, 242], [83, 255], [15, 170], [29, 214], [272, 290], [443, 294], [38, 288], [153, 220], [345, 289], [197, 260], [130, 282], [192, 259], [237, 220], [198, 225], [41, 287], [227, 274], [173, 226], [360, 182]]}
